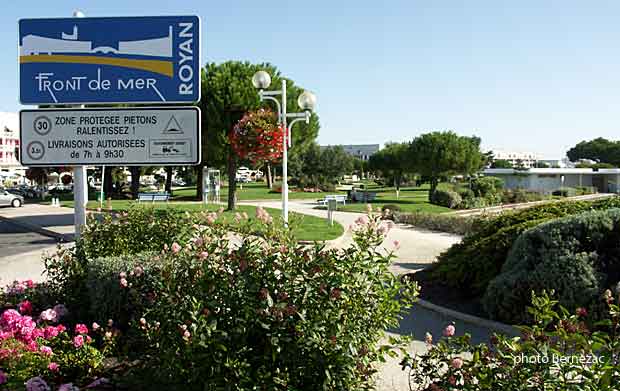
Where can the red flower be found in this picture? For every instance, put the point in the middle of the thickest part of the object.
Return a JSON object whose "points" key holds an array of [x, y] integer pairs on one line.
{"points": [[25, 307]]}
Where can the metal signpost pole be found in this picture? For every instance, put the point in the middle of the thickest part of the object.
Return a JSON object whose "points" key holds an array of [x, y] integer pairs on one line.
{"points": [[80, 183], [102, 183], [284, 157]]}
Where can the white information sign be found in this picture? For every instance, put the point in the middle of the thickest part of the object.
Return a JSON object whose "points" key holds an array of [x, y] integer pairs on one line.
{"points": [[121, 137]]}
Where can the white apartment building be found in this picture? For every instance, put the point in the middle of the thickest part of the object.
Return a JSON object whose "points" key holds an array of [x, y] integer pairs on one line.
{"points": [[11, 171], [524, 159], [9, 139]]}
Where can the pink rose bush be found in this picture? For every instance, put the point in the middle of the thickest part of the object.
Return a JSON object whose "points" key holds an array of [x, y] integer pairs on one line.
{"points": [[35, 350]]}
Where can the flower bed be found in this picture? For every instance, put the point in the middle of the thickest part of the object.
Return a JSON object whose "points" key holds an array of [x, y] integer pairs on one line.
{"points": [[205, 310]]}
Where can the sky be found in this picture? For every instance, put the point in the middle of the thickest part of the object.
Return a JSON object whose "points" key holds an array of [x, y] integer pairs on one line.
{"points": [[530, 75]]}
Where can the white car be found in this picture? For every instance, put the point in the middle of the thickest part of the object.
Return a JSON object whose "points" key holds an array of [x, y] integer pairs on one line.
{"points": [[7, 198]]}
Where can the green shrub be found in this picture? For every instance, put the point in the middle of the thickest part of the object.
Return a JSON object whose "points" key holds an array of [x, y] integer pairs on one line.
{"points": [[445, 197], [577, 256], [565, 192], [391, 207], [249, 311], [559, 352], [487, 186], [479, 257], [138, 230], [474, 203], [455, 224], [465, 192], [518, 196], [266, 314], [584, 190]]}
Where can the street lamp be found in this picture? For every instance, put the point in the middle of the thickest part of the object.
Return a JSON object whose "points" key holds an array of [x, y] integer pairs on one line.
{"points": [[306, 101]]}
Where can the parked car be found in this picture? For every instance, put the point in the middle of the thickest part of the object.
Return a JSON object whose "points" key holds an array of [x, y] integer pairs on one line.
{"points": [[11, 199]]}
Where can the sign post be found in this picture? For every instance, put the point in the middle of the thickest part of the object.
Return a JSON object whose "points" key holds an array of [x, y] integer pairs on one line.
{"points": [[108, 60], [110, 136], [151, 59]]}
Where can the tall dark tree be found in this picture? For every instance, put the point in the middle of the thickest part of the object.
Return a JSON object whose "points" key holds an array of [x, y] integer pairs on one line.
{"points": [[439, 154], [392, 162], [598, 149], [227, 93]]}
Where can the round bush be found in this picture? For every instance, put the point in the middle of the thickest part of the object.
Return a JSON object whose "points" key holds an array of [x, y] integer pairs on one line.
{"points": [[577, 256], [479, 257], [391, 208], [447, 198]]}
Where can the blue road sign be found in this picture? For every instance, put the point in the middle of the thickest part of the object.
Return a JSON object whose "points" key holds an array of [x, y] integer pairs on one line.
{"points": [[109, 60]]}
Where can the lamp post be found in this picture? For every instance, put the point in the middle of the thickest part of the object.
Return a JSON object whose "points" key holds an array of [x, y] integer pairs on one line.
{"points": [[306, 101]]}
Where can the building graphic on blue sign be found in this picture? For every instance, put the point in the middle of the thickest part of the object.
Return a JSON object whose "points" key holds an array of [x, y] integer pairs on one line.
{"points": [[109, 60]]}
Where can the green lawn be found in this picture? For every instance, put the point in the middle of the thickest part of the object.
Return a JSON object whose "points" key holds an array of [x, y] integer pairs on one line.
{"points": [[411, 199], [252, 191], [304, 227]]}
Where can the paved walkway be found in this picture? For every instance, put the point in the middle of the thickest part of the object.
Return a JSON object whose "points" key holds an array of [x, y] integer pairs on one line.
{"points": [[417, 249]]}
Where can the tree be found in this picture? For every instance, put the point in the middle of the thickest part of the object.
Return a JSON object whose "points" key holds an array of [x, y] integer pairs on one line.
{"points": [[334, 163], [501, 163], [439, 154], [598, 149], [391, 161], [227, 94], [317, 166]]}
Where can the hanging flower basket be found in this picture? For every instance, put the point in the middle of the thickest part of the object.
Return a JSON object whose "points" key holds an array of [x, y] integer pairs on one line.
{"points": [[257, 137]]}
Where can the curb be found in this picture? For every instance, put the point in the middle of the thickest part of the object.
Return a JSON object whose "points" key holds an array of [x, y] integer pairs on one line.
{"points": [[40, 230], [467, 318]]}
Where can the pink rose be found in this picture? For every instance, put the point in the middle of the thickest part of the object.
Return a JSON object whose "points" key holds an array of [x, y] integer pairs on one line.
{"points": [[95, 326], [175, 247], [25, 307], [203, 255], [362, 220], [449, 331], [187, 334], [78, 341], [138, 271], [457, 363], [122, 275], [123, 283], [46, 350], [49, 315], [81, 329], [54, 367]]}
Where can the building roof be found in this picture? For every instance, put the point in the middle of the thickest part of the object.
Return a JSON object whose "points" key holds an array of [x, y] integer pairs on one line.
{"points": [[509, 171]]}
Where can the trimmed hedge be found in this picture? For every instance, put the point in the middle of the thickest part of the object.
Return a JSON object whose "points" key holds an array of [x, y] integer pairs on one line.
{"points": [[472, 263], [460, 225], [577, 256]]}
